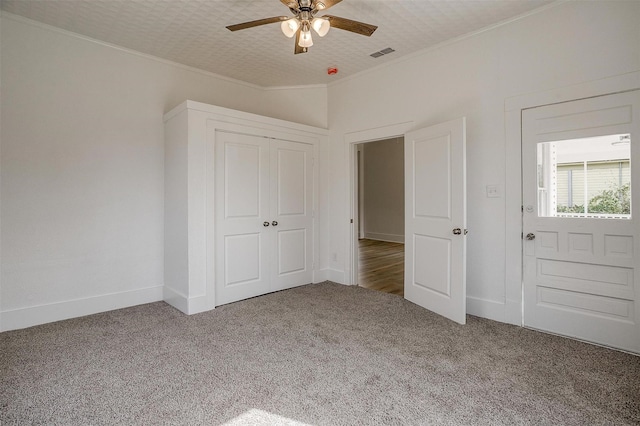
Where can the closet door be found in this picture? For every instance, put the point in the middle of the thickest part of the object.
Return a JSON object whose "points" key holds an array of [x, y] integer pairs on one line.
{"points": [[242, 219], [264, 215], [292, 213]]}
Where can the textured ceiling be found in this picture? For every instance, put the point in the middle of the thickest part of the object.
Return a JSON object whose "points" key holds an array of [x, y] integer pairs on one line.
{"points": [[192, 32]]}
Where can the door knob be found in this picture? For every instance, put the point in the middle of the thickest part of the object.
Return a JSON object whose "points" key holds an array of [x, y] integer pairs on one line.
{"points": [[531, 236], [274, 223], [457, 231], [265, 223]]}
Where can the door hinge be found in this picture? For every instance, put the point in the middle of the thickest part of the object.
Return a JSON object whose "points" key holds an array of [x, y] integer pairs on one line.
{"points": [[522, 209], [351, 221], [522, 235]]}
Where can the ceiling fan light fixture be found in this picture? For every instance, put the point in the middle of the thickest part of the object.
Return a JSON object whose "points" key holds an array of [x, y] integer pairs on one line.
{"points": [[305, 37], [299, 25], [289, 27], [321, 26]]}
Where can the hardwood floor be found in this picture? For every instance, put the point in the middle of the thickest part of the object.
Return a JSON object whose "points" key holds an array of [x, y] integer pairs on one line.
{"points": [[381, 266]]}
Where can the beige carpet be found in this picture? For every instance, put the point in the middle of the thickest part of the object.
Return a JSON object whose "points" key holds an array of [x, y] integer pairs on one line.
{"points": [[321, 354]]}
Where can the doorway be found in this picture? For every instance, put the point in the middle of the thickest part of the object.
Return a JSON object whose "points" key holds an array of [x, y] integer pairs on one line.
{"points": [[380, 215], [435, 213]]}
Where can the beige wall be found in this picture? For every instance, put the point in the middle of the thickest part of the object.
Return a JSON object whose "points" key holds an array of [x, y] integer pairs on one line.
{"points": [[384, 190]]}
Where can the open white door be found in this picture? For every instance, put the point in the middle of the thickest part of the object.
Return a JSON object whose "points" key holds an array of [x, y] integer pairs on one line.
{"points": [[435, 219]]}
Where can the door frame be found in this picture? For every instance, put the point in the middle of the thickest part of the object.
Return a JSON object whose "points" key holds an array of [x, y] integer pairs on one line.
{"points": [[514, 279], [351, 141]]}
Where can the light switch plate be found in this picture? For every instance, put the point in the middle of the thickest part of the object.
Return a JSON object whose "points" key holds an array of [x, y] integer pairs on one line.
{"points": [[493, 191]]}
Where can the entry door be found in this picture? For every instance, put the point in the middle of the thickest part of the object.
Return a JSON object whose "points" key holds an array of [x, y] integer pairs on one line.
{"points": [[580, 219], [264, 216], [435, 219]]}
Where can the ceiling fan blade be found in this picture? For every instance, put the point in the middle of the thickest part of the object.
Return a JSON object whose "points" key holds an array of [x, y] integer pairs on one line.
{"points": [[349, 25], [291, 4], [257, 23], [320, 5], [298, 49]]}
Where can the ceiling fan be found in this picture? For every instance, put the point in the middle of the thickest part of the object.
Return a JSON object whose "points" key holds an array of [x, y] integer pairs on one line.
{"points": [[304, 19]]}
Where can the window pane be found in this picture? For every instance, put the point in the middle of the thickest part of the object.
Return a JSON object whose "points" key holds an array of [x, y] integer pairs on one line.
{"points": [[609, 187], [588, 177]]}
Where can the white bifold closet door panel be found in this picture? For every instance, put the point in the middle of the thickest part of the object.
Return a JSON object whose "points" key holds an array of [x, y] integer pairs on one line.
{"points": [[291, 207], [264, 217]]}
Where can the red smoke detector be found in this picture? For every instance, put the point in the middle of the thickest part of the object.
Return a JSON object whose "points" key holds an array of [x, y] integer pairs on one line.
{"points": [[332, 70]]}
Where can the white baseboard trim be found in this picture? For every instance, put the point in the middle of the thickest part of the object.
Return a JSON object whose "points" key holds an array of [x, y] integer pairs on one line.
{"points": [[337, 276], [175, 299], [198, 304], [390, 238], [513, 312], [184, 304], [35, 315], [320, 275], [485, 308]]}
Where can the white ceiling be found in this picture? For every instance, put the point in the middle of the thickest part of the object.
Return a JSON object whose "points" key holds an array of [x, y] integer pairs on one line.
{"points": [[192, 32]]}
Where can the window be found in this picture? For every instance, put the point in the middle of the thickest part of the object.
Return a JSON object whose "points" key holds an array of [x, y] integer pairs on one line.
{"points": [[588, 177]]}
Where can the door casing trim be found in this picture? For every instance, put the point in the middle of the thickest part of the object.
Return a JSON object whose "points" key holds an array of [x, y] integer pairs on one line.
{"points": [[351, 140]]}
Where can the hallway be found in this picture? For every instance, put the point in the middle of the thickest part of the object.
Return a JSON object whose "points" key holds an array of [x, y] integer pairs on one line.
{"points": [[381, 266]]}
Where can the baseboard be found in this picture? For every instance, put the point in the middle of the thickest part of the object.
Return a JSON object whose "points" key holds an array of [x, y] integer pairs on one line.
{"points": [[198, 304], [320, 275], [175, 299], [391, 238], [42, 314], [513, 312], [186, 305], [337, 276], [485, 308]]}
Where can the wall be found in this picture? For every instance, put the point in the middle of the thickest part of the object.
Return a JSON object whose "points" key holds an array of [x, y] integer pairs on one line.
{"points": [[303, 104], [82, 170], [564, 45], [384, 190]]}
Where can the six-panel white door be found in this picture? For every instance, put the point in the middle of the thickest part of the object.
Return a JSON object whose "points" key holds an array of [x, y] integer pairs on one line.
{"points": [[435, 219], [263, 215], [581, 266]]}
